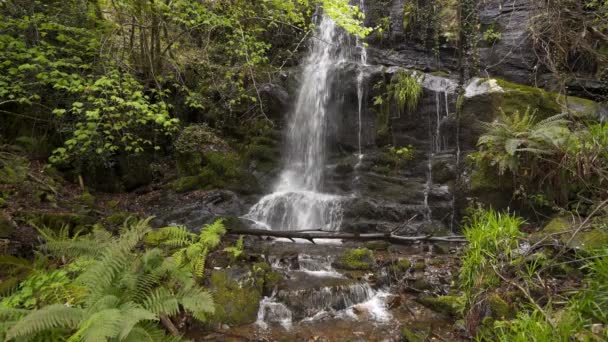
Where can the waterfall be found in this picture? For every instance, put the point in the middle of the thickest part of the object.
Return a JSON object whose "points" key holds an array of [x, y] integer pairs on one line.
{"points": [[297, 202], [360, 44]]}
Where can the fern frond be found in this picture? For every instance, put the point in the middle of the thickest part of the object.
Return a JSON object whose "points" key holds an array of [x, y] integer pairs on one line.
{"points": [[99, 327], [15, 263], [103, 303], [174, 236], [49, 317], [197, 301], [162, 301], [198, 264], [133, 314], [146, 332], [211, 234]]}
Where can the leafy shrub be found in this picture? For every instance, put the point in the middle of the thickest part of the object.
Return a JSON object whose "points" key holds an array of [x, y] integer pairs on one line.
{"points": [[561, 160]]}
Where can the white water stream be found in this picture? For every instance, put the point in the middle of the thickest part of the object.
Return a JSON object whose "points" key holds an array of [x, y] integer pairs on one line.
{"points": [[297, 202]]}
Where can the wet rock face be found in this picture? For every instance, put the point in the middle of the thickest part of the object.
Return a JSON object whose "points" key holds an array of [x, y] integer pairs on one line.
{"points": [[512, 56], [194, 209]]}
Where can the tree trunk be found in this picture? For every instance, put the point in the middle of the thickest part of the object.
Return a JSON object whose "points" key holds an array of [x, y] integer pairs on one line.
{"points": [[319, 234]]}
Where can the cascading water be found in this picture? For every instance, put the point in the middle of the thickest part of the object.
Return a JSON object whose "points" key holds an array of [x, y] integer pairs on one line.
{"points": [[297, 203], [360, 84]]}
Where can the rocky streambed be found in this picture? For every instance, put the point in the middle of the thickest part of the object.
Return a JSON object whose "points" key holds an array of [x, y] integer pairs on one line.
{"points": [[341, 292]]}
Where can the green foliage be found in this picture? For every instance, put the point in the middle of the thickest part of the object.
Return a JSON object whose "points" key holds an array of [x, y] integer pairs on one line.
{"points": [[189, 250], [556, 158], [118, 290], [44, 288], [114, 116], [491, 36], [492, 237], [513, 135], [235, 251], [357, 259], [405, 90], [402, 155], [346, 16], [237, 302]]}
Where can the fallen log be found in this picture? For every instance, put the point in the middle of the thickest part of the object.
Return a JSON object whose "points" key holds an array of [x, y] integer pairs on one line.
{"points": [[311, 235]]}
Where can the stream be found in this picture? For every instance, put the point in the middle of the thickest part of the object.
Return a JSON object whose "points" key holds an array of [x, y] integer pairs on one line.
{"points": [[316, 301]]}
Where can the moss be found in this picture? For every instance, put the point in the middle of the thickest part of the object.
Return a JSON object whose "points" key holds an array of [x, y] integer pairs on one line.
{"points": [[447, 305], [265, 278], [219, 171], [518, 97], [187, 183], [356, 259], [2, 202], [414, 334], [499, 308], [236, 304], [118, 218], [440, 73], [563, 227], [377, 245], [87, 199], [419, 265], [401, 266]]}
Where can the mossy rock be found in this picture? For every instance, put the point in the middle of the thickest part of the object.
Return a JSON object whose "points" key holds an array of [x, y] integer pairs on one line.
{"points": [[377, 245], [419, 265], [485, 98], [87, 199], [447, 305], [356, 259], [218, 171], [562, 228], [266, 278], [119, 218], [499, 308], [401, 266], [411, 333], [235, 303]]}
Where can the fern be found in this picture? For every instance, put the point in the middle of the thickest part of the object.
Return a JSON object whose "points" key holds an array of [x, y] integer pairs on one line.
{"points": [[237, 250], [162, 301], [52, 316], [126, 290], [211, 234]]}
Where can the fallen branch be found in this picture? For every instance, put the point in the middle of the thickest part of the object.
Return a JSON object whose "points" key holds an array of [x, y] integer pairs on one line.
{"points": [[319, 234]]}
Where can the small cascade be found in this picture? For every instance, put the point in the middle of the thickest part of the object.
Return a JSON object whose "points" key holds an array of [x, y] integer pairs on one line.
{"points": [[314, 291], [297, 210], [315, 265], [273, 312]]}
